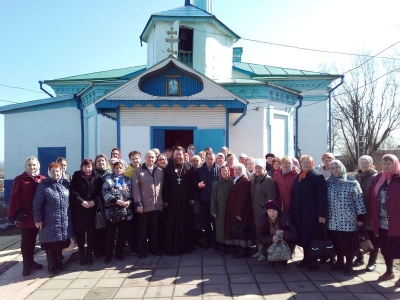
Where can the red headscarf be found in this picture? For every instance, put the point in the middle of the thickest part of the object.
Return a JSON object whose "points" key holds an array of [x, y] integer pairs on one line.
{"points": [[387, 175]]}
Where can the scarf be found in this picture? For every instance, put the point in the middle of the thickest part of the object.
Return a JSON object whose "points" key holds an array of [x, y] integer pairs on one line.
{"points": [[241, 174], [387, 175], [342, 177], [303, 174]]}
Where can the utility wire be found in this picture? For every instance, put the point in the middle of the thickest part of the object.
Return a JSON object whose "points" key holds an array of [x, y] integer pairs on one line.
{"points": [[21, 88], [9, 101]]}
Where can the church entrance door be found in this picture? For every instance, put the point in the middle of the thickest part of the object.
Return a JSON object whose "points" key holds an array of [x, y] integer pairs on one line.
{"points": [[178, 138]]}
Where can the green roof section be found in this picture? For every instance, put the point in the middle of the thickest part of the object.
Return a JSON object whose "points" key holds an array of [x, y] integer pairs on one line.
{"points": [[255, 70], [103, 75]]}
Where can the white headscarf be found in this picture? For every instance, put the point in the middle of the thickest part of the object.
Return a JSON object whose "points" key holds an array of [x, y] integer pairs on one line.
{"points": [[242, 173], [36, 173], [260, 162]]}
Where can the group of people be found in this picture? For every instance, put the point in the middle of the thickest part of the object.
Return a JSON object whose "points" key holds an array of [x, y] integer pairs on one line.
{"points": [[177, 199]]}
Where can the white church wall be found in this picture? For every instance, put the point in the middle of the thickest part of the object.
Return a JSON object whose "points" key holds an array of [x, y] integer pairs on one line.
{"points": [[134, 138], [24, 133], [107, 135]]}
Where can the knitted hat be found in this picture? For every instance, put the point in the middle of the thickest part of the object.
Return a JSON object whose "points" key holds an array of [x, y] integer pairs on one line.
{"points": [[366, 157], [272, 204]]}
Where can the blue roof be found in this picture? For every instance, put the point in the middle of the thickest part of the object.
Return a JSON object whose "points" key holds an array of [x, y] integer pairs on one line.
{"points": [[11, 107], [187, 12]]}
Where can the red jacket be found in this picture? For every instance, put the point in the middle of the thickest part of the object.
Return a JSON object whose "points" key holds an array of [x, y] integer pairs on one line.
{"points": [[284, 186], [392, 205], [22, 194]]}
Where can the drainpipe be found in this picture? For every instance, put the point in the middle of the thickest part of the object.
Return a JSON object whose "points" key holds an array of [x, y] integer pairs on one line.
{"points": [[41, 83], [296, 144], [330, 112], [79, 106]]}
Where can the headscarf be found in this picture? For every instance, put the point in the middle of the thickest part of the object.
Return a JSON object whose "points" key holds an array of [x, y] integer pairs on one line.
{"points": [[242, 173], [367, 158], [304, 173], [36, 173], [386, 176], [259, 162], [337, 181]]}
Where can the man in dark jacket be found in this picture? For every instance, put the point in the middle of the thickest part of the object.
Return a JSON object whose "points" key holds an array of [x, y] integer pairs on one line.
{"points": [[205, 176]]}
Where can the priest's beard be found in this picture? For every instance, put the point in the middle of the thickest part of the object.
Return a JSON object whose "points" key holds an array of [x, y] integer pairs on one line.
{"points": [[178, 160]]}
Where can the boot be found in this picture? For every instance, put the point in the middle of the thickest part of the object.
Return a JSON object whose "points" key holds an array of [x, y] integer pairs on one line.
{"points": [[58, 260], [50, 262], [26, 269], [82, 257], [89, 256], [35, 265], [348, 269]]}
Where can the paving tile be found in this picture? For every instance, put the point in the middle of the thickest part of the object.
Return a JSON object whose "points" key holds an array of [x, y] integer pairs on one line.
{"points": [[68, 274], [169, 262], [369, 296], [301, 287], [329, 286], [284, 296], [384, 286], [252, 261], [262, 269], [159, 291], [293, 276], [244, 289], [54, 284], [110, 282], [341, 296], [188, 290], [92, 274], [269, 277], [130, 292], [248, 297], [238, 269], [73, 294], [216, 290], [214, 270], [320, 276], [242, 278], [191, 262], [141, 281], [189, 279], [84, 283], [273, 288], [166, 272], [189, 270], [229, 261], [215, 279], [146, 264], [213, 261], [117, 273], [101, 293], [163, 280], [359, 287], [138, 273], [44, 294], [213, 297], [309, 296], [391, 295]]}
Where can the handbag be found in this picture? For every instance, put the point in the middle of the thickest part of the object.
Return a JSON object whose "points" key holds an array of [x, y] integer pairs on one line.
{"points": [[117, 214], [279, 251], [100, 220], [320, 248], [20, 215], [365, 243], [239, 230]]}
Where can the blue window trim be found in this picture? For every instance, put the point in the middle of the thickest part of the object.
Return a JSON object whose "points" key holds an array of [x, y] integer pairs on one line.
{"points": [[166, 128]]}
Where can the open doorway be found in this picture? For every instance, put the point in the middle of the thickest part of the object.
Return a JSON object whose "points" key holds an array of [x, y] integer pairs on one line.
{"points": [[178, 138]]}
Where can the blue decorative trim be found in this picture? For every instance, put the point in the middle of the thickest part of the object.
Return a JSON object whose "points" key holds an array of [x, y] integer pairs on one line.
{"points": [[182, 103], [82, 120], [118, 128], [227, 128], [8, 183], [166, 128]]}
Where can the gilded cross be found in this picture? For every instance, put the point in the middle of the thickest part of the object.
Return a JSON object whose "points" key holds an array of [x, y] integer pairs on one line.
{"points": [[172, 41]]}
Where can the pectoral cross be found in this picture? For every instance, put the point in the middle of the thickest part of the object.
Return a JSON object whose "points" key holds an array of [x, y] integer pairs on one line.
{"points": [[172, 41], [179, 180]]}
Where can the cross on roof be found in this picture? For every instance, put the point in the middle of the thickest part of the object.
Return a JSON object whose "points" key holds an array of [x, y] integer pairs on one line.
{"points": [[172, 41]]}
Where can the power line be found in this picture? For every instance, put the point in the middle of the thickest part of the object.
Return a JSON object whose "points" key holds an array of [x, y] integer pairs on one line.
{"points": [[21, 88], [9, 101]]}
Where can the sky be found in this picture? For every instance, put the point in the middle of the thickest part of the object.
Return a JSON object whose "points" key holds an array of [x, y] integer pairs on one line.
{"points": [[47, 39]]}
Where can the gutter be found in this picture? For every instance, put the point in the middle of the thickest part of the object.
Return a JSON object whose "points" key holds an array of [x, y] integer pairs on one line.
{"points": [[330, 112], [241, 117], [41, 84], [296, 143]]}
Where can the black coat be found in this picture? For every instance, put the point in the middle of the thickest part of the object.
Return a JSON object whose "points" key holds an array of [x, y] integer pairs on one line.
{"points": [[81, 190], [309, 202]]}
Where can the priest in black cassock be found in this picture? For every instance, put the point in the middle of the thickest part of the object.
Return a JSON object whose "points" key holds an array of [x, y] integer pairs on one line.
{"points": [[178, 196]]}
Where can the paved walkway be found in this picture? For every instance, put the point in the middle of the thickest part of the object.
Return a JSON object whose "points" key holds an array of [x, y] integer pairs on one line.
{"points": [[199, 275]]}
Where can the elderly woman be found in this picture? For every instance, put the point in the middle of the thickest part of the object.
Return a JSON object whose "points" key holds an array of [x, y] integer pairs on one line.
{"points": [[324, 168], [284, 180], [346, 212], [196, 161], [309, 206], [364, 177], [22, 193], [276, 167], [250, 167], [117, 195], [220, 159], [161, 160], [262, 189], [52, 215], [84, 196], [383, 205], [273, 224], [202, 155], [238, 208], [219, 196], [231, 160], [102, 169]]}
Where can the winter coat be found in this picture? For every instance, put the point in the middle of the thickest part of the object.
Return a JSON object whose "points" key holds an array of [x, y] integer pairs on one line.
{"points": [[51, 206], [309, 202], [22, 193], [392, 205], [262, 189], [284, 186], [147, 188], [82, 190], [117, 187], [290, 233], [238, 204], [219, 196], [207, 176], [345, 204], [365, 179]]}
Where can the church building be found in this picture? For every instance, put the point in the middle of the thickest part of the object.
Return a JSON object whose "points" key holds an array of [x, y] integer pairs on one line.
{"points": [[193, 89]]}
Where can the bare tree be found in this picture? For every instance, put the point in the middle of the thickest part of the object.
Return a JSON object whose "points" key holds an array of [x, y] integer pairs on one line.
{"points": [[366, 107]]}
